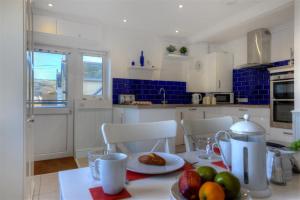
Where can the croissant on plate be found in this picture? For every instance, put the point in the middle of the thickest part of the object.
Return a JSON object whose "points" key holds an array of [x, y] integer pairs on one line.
{"points": [[152, 159]]}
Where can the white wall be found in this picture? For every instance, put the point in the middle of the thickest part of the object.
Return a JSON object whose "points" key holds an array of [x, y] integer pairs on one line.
{"points": [[297, 57], [11, 100], [122, 44], [282, 41]]}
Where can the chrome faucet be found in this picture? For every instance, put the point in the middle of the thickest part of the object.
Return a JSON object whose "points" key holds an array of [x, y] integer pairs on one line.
{"points": [[162, 90]]}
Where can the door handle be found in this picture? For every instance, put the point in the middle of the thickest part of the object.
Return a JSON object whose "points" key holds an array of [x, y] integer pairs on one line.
{"points": [[30, 120], [287, 133], [219, 83], [193, 109]]}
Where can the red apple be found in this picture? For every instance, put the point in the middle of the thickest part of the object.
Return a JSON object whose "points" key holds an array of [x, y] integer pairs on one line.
{"points": [[189, 184]]}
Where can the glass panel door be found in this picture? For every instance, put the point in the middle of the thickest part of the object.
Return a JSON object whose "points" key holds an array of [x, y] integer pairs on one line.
{"points": [[282, 111], [50, 79], [283, 89]]}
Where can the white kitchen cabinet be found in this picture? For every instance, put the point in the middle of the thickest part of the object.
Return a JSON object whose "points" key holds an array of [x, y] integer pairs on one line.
{"points": [[213, 112], [186, 113], [282, 135], [139, 115], [260, 115], [44, 24], [215, 74]]}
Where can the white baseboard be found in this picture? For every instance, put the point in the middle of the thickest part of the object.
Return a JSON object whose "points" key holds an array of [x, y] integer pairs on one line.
{"points": [[79, 153], [296, 124], [52, 156]]}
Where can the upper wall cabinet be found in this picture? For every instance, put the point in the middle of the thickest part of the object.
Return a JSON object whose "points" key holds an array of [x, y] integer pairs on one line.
{"points": [[218, 70], [56, 26], [44, 24], [213, 75]]}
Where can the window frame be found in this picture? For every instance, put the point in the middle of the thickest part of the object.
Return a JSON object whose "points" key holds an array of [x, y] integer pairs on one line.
{"points": [[104, 56], [53, 50]]}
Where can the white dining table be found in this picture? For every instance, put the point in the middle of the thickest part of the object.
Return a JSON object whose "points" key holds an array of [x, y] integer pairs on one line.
{"points": [[75, 184]]}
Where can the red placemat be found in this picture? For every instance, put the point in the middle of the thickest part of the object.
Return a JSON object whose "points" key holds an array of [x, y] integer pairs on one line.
{"points": [[98, 194], [219, 164]]}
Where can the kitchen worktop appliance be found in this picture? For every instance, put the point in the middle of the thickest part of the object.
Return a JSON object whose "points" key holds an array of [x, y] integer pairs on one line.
{"points": [[281, 96], [248, 155]]}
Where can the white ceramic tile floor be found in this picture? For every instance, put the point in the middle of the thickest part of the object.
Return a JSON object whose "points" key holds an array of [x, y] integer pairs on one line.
{"points": [[46, 187]]}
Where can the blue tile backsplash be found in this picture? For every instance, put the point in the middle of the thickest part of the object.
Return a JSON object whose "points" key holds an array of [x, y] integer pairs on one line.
{"points": [[251, 83], [148, 90], [254, 83]]}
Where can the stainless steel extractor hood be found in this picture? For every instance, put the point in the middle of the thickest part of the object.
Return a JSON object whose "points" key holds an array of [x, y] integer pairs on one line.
{"points": [[258, 48]]}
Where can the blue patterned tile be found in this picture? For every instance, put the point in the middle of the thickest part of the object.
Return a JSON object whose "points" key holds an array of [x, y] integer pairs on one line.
{"points": [[148, 90]]}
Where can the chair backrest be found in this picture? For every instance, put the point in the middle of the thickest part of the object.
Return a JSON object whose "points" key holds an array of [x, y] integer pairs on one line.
{"points": [[118, 134], [203, 128]]}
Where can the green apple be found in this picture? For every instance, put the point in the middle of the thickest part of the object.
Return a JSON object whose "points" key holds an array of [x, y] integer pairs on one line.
{"points": [[230, 183], [207, 173]]}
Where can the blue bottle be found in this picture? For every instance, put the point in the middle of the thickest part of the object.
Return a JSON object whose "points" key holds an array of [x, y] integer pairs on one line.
{"points": [[142, 59]]}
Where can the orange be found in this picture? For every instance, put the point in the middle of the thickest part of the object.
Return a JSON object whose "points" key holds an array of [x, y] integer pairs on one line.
{"points": [[211, 191]]}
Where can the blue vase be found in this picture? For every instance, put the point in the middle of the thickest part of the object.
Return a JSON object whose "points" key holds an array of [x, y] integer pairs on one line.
{"points": [[142, 59]]}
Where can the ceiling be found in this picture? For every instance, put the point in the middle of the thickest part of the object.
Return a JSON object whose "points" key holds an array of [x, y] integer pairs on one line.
{"points": [[162, 17]]}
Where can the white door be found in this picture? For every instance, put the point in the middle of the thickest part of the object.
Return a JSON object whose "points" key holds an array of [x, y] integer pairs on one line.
{"points": [[53, 127]]}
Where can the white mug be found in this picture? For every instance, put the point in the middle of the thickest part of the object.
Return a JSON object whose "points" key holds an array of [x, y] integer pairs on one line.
{"points": [[225, 147], [112, 168]]}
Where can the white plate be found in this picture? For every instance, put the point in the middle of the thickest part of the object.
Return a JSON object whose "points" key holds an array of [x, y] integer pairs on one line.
{"points": [[176, 195], [173, 163]]}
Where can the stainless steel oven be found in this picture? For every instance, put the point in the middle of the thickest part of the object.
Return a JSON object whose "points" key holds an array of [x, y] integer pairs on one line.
{"points": [[282, 98]]}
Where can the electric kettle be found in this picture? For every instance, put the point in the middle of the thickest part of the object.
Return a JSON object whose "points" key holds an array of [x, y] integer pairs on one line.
{"points": [[196, 98], [248, 156]]}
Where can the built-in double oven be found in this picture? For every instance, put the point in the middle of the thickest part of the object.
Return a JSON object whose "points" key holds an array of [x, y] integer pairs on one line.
{"points": [[282, 97]]}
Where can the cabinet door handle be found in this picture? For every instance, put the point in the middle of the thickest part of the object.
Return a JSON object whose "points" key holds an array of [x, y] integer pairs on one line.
{"points": [[122, 118], [204, 115], [287, 133], [181, 115], [193, 109], [219, 83]]}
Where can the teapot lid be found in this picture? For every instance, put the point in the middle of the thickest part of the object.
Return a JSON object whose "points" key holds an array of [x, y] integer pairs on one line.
{"points": [[247, 127]]}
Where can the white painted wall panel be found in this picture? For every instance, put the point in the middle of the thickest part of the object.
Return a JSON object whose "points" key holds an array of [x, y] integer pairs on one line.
{"points": [[297, 56], [50, 134], [12, 100], [87, 129]]}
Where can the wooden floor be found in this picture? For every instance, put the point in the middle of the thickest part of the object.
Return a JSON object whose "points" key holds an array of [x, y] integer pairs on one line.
{"points": [[54, 165]]}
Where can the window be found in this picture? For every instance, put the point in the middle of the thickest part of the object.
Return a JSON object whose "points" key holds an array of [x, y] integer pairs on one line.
{"points": [[49, 79], [93, 75]]}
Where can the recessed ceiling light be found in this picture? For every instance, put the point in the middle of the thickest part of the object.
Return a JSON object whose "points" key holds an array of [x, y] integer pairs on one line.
{"points": [[124, 20], [50, 4], [180, 6], [177, 31]]}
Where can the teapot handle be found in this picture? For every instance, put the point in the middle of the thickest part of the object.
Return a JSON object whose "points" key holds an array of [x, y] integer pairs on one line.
{"points": [[217, 136]]}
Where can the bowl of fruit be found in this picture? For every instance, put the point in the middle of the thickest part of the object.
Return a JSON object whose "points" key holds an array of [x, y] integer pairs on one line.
{"points": [[205, 183]]}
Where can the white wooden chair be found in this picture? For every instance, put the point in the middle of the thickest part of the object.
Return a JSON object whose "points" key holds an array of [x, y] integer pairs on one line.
{"points": [[204, 128], [116, 135]]}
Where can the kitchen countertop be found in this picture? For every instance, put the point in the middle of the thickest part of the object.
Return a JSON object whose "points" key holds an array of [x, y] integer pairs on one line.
{"points": [[160, 106]]}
